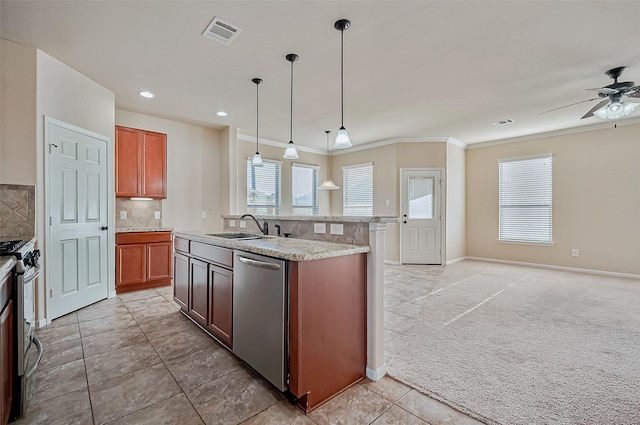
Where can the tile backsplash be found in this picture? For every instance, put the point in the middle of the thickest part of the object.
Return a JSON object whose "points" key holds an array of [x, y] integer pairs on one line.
{"points": [[139, 213], [17, 211]]}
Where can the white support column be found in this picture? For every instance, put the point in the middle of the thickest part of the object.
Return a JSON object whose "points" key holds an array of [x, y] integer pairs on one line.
{"points": [[376, 368]]}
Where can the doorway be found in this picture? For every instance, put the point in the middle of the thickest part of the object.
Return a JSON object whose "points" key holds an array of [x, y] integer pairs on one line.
{"points": [[421, 221], [77, 207]]}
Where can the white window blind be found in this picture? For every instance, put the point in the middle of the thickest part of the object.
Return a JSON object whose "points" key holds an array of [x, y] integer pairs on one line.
{"points": [[357, 194], [526, 199], [304, 200], [263, 188]]}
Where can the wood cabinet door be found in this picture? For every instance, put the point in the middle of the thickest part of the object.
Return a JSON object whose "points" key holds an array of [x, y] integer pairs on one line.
{"points": [[221, 304], [198, 282], [6, 361], [128, 155], [181, 280], [154, 165], [131, 264], [159, 260]]}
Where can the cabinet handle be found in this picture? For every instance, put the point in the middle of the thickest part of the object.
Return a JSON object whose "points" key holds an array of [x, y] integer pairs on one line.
{"points": [[104, 227], [256, 263]]}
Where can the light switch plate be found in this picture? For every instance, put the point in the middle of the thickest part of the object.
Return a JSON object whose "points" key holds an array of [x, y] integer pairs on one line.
{"points": [[156, 215], [123, 215], [337, 229], [204, 214], [243, 224], [319, 228], [232, 223]]}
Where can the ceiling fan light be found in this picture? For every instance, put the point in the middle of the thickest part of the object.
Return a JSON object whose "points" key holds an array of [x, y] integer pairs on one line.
{"points": [[328, 185], [343, 140], [616, 110], [291, 152], [257, 160]]}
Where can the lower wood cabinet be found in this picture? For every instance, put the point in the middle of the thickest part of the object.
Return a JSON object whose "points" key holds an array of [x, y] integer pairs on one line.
{"points": [[203, 286], [143, 260], [7, 361]]}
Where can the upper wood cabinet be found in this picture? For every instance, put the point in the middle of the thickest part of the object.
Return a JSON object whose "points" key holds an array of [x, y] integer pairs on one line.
{"points": [[141, 163]]}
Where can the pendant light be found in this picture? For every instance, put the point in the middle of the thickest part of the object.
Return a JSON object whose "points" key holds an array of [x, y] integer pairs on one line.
{"points": [[343, 140], [257, 159], [291, 152], [328, 184]]}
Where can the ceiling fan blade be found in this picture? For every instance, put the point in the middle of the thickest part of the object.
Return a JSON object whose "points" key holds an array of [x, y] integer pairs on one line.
{"points": [[595, 108], [636, 92], [565, 106], [604, 90]]}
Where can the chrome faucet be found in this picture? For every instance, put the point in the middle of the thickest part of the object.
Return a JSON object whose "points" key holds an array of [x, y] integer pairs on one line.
{"points": [[265, 226], [277, 226]]}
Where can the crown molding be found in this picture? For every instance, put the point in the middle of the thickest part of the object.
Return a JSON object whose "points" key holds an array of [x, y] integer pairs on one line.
{"points": [[269, 142], [397, 140]]}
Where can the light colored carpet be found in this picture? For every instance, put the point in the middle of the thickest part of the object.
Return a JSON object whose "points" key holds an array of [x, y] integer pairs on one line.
{"points": [[551, 348]]}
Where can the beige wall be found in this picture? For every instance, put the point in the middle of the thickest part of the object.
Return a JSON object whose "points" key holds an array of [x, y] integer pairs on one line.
{"points": [[596, 199], [194, 184], [455, 209], [17, 114], [247, 149]]}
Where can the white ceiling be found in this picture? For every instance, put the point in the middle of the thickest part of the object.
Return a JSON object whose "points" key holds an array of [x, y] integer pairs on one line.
{"points": [[413, 69]]}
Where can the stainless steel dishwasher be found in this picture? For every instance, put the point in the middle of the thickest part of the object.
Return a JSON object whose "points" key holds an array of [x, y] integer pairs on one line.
{"points": [[260, 319]]}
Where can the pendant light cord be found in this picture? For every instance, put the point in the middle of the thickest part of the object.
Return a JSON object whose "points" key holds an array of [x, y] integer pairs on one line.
{"points": [[257, 113], [291, 107], [342, 76], [328, 155]]}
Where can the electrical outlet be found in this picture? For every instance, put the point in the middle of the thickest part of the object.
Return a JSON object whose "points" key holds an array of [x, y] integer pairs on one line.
{"points": [[156, 215], [337, 229], [319, 228], [204, 214], [243, 224], [575, 252], [123, 215], [387, 202], [232, 223]]}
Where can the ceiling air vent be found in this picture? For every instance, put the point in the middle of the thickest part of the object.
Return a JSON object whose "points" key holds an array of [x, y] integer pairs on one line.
{"points": [[221, 31], [502, 122]]}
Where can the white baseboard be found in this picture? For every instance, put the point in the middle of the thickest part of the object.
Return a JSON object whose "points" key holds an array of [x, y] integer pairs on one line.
{"points": [[554, 267], [376, 375], [392, 262], [455, 260], [41, 323]]}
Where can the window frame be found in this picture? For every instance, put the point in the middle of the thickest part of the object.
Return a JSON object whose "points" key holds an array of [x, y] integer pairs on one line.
{"points": [[278, 187], [504, 225], [345, 189], [314, 188]]}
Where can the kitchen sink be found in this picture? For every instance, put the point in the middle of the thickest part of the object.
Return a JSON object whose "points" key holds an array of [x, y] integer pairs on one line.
{"points": [[236, 236]]}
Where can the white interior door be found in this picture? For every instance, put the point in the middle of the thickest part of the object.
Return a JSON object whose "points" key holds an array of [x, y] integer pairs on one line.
{"points": [[77, 192], [420, 193]]}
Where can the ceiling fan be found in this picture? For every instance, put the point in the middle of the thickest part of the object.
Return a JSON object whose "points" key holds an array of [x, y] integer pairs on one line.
{"points": [[611, 107]]}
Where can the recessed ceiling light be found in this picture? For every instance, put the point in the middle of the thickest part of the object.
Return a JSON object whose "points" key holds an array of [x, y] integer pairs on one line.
{"points": [[502, 122], [146, 94], [221, 113]]}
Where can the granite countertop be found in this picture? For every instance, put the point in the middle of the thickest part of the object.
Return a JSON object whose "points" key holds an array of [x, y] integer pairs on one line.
{"points": [[143, 229], [284, 248], [6, 264]]}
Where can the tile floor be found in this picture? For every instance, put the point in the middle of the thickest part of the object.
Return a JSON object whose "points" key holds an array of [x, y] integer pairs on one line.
{"points": [[135, 359]]}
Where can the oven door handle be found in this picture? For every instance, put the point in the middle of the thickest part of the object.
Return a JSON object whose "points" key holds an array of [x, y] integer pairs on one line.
{"points": [[28, 277], [38, 345]]}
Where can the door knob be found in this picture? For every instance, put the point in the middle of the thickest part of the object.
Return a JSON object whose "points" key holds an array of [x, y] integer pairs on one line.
{"points": [[104, 227], [404, 215], [405, 222]]}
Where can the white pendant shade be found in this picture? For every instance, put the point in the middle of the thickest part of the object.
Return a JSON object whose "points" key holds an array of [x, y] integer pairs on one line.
{"points": [[328, 184], [291, 152], [257, 160], [343, 140], [616, 110]]}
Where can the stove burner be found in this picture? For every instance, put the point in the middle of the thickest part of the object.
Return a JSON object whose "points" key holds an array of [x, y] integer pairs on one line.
{"points": [[10, 247]]}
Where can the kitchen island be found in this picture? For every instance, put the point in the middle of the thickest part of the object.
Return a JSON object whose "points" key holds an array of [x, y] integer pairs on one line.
{"points": [[323, 318]]}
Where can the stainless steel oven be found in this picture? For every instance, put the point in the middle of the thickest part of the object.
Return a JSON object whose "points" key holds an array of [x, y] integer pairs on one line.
{"points": [[28, 347]]}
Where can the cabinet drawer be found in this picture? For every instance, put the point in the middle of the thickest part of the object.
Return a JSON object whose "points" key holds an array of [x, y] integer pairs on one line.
{"points": [[214, 254], [181, 244], [142, 237]]}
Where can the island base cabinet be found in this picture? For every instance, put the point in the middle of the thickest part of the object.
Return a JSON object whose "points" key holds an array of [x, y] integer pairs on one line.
{"points": [[327, 330], [198, 304], [181, 281], [220, 321]]}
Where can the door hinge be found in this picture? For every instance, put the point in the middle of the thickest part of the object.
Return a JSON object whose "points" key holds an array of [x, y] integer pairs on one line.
{"points": [[50, 221], [50, 293]]}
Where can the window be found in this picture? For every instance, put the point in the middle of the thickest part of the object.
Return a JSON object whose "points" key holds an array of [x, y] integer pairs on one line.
{"points": [[525, 199], [304, 180], [357, 194], [263, 188]]}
